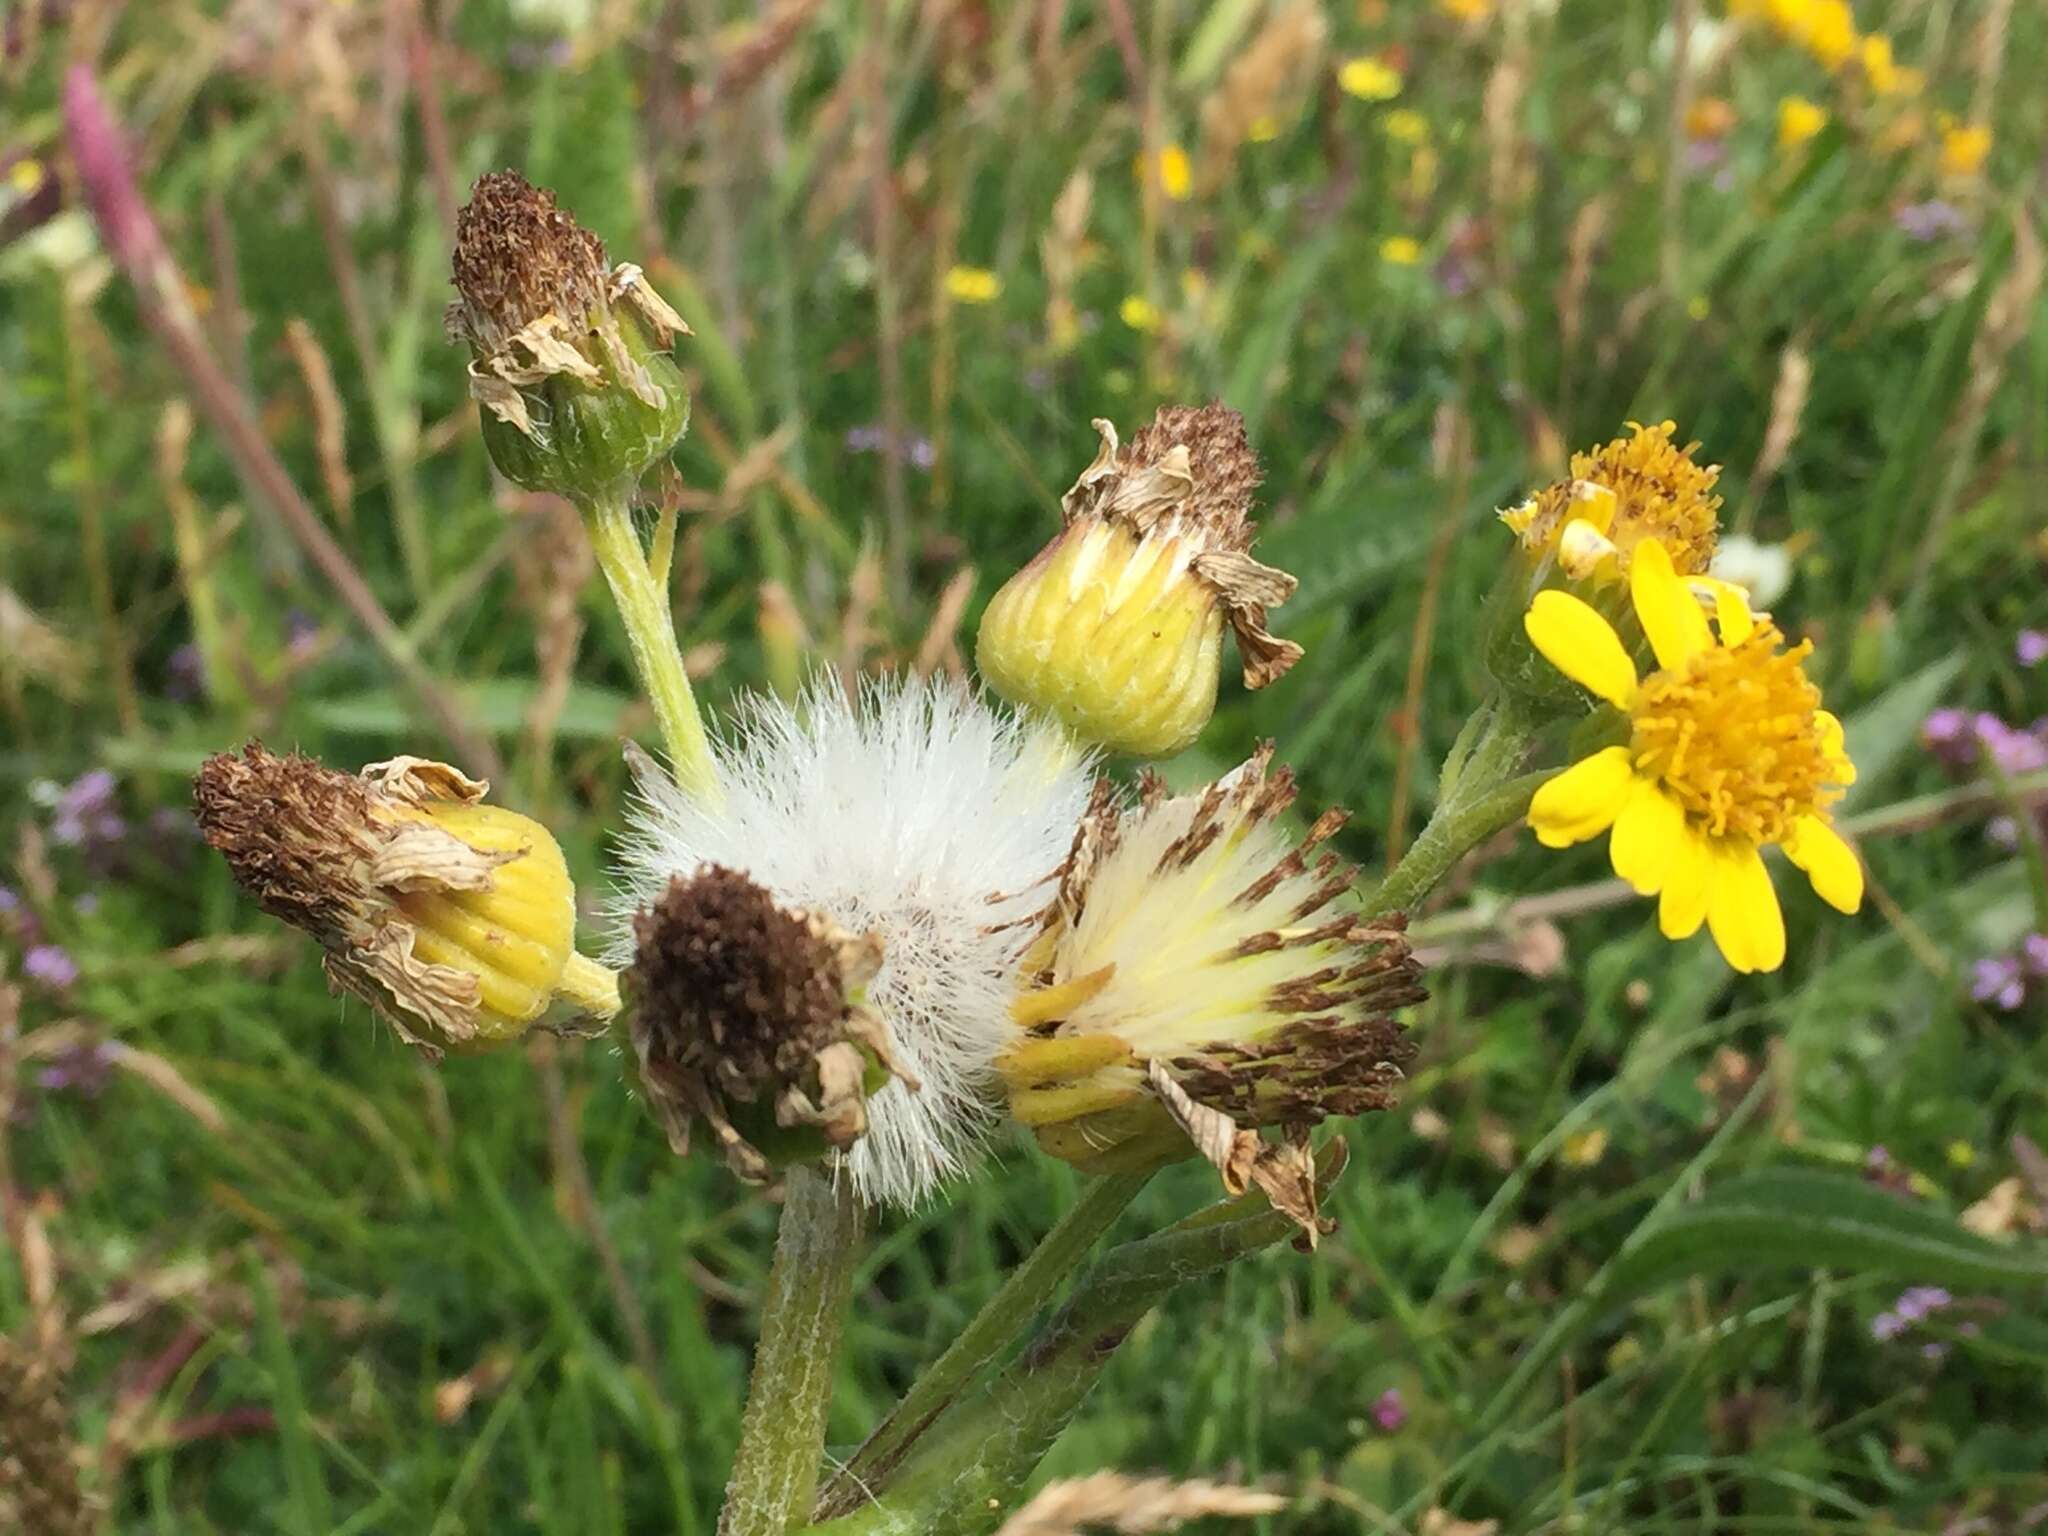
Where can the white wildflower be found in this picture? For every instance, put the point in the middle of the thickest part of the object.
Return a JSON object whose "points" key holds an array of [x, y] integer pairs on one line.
{"points": [[919, 813], [1763, 571]]}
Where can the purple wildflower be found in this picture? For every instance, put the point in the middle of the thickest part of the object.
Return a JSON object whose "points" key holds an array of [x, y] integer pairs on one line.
{"points": [[51, 965], [1920, 1301], [301, 635], [81, 1069], [2030, 647], [2034, 954], [85, 815], [184, 674], [1877, 1159], [1933, 1351], [1996, 979], [1930, 220], [8, 901], [1388, 1411], [1887, 1325]]}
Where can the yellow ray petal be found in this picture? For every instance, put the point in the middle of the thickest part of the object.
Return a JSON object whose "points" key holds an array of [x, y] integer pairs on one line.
{"points": [[1670, 614], [1732, 615], [1581, 802], [1583, 646], [1835, 744], [1682, 905], [1830, 863], [1742, 909], [1647, 835]]}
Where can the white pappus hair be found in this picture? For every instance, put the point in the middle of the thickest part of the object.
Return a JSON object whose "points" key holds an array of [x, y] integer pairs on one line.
{"points": [[921, 812]]}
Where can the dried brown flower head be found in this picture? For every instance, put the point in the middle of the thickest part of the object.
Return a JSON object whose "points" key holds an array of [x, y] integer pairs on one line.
{"points": [[39, 1488], [453, 919], [749, 1016], [1116, 626], [1199, 979], [568, 354]]}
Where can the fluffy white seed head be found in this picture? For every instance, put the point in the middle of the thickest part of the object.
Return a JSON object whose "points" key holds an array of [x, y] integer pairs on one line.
{"points": [[918, 812]]}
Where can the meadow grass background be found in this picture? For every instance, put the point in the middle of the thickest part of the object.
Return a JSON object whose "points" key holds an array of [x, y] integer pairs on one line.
{"points": [[310, 1285]]}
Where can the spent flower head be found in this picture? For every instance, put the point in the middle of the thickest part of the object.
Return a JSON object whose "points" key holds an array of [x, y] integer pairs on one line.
{"points": [[1728, 752], [915, 813], [1201, 977], [1635, 488], [453, 919], [568, 354], [1115, 628], [752, 1017]]}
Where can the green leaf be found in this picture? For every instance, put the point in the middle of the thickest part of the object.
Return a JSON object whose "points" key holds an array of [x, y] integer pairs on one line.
{"points": [[498, 705], [1881, 732], [1804, 1219]]}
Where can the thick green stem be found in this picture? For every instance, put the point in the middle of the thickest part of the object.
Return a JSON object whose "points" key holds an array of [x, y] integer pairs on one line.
{"points": [[782, 1436], [965, 1474], [1481, 794], [1007, 1313], [650, 630]]}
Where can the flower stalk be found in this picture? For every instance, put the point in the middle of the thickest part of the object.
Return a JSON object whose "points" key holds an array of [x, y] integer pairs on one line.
{"points": [[650, 631], [782, 1435]]}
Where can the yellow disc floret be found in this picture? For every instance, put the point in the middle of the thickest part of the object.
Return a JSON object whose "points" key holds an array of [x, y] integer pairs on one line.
{"points": [[1634, 488]]}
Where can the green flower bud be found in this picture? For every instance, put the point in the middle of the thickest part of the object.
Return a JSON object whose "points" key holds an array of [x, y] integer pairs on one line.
{"points": [[568, 355]]}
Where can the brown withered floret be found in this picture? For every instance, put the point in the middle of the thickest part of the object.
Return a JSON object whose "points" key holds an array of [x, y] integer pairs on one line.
{"points": [[740, 1001], [1191, 472], [283, 824], [518, 257]]}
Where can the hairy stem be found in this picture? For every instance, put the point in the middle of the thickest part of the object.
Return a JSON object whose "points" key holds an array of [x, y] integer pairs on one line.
{"points": [[782, 1436], [1028, 1289], [1483, 792], [651, 631]]}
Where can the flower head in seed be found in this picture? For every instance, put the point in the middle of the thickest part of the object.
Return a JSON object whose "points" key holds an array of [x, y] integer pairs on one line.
{"points": [[568, 355], [1199, 978], [751, 1017], [453, 919], [1729, 752], [1116, 626], [1636, 488], [916, 813]]}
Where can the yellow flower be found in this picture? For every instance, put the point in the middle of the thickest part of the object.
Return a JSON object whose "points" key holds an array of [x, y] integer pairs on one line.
{"points": [[1631, 491], [1400, 251], [1963, 150], [1139, 313], [1729, 752], [1406, 126], [26, 176], [1263, 129], [1176, 172], [1369, 79], [973, 285], [1798, 121], [1466, 10]]}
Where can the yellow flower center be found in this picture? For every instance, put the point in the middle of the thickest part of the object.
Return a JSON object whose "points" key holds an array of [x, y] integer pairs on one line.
{"points": [[1736, 736], [1643, 487]]}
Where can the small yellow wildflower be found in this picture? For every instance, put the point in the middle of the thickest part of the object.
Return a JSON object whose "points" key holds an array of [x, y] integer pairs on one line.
{"points": [[1963, 150], [1466, 10], [1729, 752], [1698, 307], [1176, 172], [972, 285], [1798, 121], [1961, 1154], [1263, 129], [1369, 79], [1139, 313], [1584, 1149], [1881, 70], [1400, 251], [26, 176], [1636, 490], [1404, 125]]}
